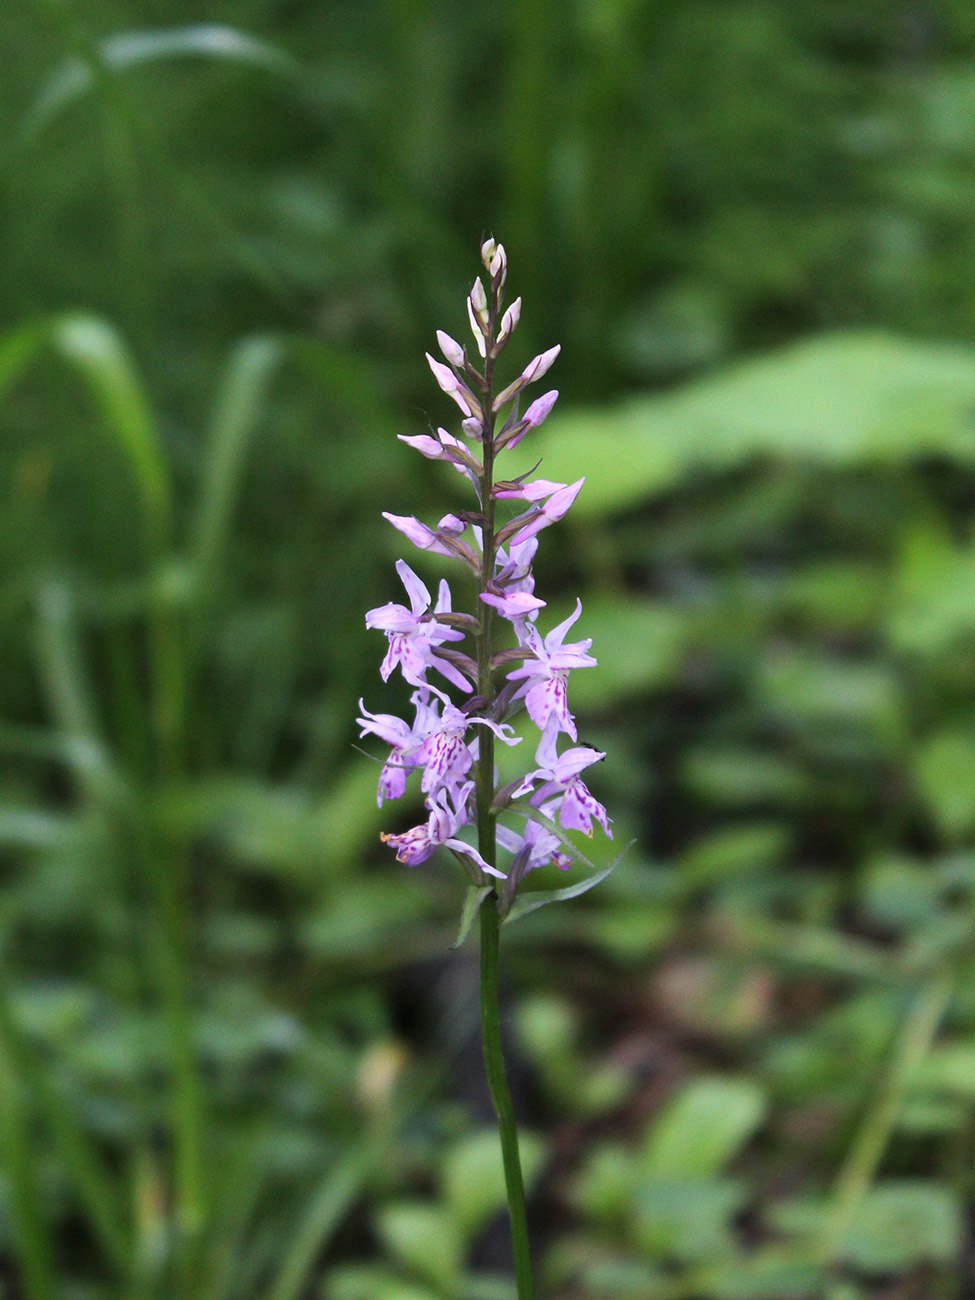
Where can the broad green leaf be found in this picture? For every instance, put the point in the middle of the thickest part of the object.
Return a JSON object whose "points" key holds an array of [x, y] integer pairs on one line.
{"points": [[606, 1183], [933, 602], [900, 1225], [703, 1128], [948, 1068], [366, 1282], [35, 828], [769, 1273], [737, 851], [839, 399], [945, 771], [277, 827], [812, 689], [426, 1239], [738, 776], [473, 1177], [685, 1220]]}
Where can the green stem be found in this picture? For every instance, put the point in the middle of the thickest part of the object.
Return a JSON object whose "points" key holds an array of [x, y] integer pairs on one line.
{"points": [[501, 1097], [487, 846]]}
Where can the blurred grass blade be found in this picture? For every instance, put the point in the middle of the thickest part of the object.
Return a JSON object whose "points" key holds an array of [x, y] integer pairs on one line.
{"points": [[242, 395], [33, 1243], [335, 1194], [80, 1156], [96, 351], [75, 77], [69, 695]]}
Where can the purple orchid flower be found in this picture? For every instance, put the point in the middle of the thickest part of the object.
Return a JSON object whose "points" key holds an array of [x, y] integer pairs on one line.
{"points": [[535, 847], [574, 805], [413, 636], [545, 691], [405, 742], [448, 813]]}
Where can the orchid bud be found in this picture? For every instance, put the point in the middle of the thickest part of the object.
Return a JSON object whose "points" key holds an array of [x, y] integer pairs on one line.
{"points": [[499, 265], [479, 301], [451, 349], [509, 321]]}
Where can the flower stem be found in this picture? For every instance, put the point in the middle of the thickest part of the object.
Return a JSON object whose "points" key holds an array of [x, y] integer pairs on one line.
{"points": [[501, 1097]]}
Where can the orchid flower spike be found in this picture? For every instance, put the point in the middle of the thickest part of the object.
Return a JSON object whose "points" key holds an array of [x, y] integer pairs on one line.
{"points": [[464, 693]]}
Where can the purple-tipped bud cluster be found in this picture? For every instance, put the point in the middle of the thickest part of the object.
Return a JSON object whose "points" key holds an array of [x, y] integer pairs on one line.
{"points": [[450, 742]]}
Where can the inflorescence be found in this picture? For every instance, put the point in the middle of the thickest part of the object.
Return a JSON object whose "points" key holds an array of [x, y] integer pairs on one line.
{"points": [[452, 744]]}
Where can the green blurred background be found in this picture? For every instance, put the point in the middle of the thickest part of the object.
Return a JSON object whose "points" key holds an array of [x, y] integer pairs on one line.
{"points": [[237, 1057]]}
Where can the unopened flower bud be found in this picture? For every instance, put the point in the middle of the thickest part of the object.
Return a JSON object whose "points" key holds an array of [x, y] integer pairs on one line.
{"points": [[537, 367], [450, 348], [479, 300], [540, 364], [488, 250], [477, 329], [509, 321], [453, 387], [472, 427], [540, 408], [499, 264]]}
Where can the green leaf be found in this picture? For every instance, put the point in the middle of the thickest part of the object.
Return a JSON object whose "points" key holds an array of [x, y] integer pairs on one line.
{"points": [[945, 771], [900, 1225], [97, 352], [933, 604], [531, 902], [948, 1068], [841, 399], [769, 1273], [473, 1177], [426, 1239], [640, 643], [703, 1128], [685, 1219], [245, 387], [734, 852], [606, 1183], [365, 1282], [328, 1204], [124, 50], [473, 899]]}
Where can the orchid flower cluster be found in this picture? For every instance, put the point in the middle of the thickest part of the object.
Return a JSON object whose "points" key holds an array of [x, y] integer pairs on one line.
{"points": [[451, 744]]}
